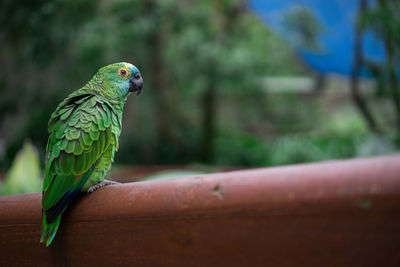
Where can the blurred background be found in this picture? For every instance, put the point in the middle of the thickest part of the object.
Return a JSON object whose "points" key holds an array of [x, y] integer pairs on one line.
{"points": [[227, 84]]}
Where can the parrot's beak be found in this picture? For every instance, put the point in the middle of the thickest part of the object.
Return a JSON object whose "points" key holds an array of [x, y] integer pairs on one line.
{"points": [[136, 84]]}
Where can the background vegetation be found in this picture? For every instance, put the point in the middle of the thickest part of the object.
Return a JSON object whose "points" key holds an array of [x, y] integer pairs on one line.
{"points": [[207, 94]]}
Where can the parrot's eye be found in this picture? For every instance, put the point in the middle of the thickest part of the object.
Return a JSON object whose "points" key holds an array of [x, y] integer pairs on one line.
{"points": [[123, 73]]}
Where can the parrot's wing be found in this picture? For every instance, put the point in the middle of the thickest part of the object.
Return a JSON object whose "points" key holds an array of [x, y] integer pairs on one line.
{"points": [[80, 133]]}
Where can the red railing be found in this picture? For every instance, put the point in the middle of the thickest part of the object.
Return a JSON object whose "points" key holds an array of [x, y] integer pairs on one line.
{"points": [[339, 213]]}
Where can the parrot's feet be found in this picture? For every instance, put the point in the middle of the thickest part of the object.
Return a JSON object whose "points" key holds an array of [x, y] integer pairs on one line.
{"points": [[99, 185]]}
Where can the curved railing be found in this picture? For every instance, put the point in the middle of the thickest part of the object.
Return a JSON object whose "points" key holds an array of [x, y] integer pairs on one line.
{"points": [[338, 213]]}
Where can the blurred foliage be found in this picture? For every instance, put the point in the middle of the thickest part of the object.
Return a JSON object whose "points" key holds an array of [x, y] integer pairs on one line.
{"points": [[202, 64], [303, 27], [171, 174], [185, 49], [24, 175], [382, 19]]}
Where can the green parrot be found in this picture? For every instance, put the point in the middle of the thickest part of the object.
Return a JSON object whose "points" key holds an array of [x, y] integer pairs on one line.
{"points": [[83, 138]]}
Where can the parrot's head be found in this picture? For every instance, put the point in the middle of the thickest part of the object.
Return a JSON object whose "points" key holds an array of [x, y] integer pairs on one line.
{"points": [[120, 79]]}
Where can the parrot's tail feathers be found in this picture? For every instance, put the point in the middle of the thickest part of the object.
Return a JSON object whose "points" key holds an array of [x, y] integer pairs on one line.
{"points": [[49, 230], [52, 216]]}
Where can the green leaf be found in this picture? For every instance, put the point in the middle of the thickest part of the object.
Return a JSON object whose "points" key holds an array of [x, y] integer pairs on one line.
{"points": [[24, 176]]}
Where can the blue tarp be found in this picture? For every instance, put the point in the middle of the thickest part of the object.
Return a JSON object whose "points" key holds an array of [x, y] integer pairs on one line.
{"points": [[337, 41]]}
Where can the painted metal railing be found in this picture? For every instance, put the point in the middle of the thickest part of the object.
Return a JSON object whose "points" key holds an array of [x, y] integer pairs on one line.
{"points": [[339, 213]]}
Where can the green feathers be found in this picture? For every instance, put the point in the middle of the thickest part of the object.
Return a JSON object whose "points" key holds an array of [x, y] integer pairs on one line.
{"points": [[80, 138], [83, 138], [49, 230]]}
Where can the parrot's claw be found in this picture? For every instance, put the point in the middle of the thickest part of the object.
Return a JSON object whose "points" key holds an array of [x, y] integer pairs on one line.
{"points": [[99, 185]]}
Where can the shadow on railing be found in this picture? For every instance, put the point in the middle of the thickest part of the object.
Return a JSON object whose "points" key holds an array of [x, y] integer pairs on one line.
{"points": [[339, 213]]}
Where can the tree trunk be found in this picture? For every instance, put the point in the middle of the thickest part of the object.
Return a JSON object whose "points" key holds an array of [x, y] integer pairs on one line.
{"points": [[209, 99], [166, 99], [393, 81], [209, 111], [356, 94], [391, 69]]}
